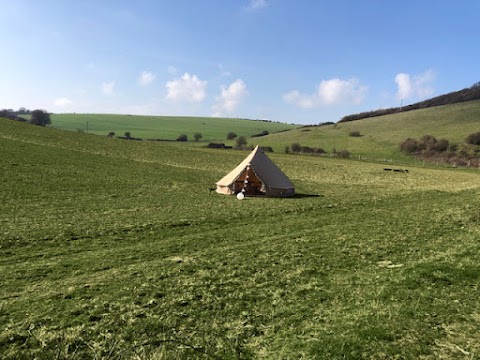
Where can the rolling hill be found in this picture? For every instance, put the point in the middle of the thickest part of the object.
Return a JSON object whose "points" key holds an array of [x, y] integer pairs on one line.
{"points": [[164, 127], [117, 249], [455, 97], [382, 135]]}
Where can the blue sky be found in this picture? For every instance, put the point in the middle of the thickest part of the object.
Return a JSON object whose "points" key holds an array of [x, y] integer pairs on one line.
{"points": [[295, 61]]}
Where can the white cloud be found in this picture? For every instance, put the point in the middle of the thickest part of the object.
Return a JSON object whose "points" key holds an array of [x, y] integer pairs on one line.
{"points": [[329, 92], [146, 78], [62, 102], [417, 86], [108, 88], [187, 88], [230, 97], [257, 4]]}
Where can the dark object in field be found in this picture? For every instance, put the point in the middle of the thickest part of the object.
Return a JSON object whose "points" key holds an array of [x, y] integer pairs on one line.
{"points": [[396, 170], [218, 146]]}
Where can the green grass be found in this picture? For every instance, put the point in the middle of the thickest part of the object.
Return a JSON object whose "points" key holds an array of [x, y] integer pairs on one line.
{"points": [[164, 127], [381, 136], [115, 249]]}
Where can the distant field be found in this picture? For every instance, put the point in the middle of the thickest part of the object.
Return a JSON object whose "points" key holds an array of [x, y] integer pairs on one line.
{"points": [[163, 127], [381, 136], [113, 249]]}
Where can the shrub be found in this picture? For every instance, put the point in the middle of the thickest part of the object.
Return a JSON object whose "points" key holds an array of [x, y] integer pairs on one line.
{"points": [[182, 137], [441, 145], [231, 135], [127, 135], [241, 141], [296, 147], [343, 154], [263, 133], [287, 149], [197, 136], [307, 150], [428, 142], [467, 151], [354, 133], [409, 146], [111, 134], [473, 138], [40, 117]]}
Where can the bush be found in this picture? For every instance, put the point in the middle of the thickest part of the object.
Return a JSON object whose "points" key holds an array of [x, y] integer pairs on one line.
{"points": [[40, 117], [441, 145], [296, 147], [473, 138], [127, 135], [354, 133], [287, 149], [241, 141], [111, 134], [231, 135], [467, 151], [182, 137], [409, 146], [197, 136], [307, 150], [343, 154], [263, 133]]}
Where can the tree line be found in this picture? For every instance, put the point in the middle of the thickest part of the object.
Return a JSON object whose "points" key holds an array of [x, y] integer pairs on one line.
{"points": [[467, 94], [37, 117]]}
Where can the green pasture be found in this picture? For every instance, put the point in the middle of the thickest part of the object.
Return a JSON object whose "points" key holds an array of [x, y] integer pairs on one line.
{"points": [[113, 249], [382, 135], [164, 127]]}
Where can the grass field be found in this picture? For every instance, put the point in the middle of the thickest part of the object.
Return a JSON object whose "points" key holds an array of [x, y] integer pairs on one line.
{"points": [[381, 136], [164, 127], [113, 249]]}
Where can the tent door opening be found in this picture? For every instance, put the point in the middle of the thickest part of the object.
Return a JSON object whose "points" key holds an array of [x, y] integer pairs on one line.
{"points": [[249, 183]]}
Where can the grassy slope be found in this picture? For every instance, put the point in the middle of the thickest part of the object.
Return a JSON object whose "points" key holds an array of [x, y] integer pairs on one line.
{"points": [[382, 135], [116, 249], [163, 127]]}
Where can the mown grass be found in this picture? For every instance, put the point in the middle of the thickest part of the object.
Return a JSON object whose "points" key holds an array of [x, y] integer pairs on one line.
{"points": [[114, 249], [164, 127]]}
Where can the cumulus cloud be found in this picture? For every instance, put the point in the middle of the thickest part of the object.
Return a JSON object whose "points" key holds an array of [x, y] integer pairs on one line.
{"points": [[257, 4], [108, 88], [62, 102], [146, 78], [417, 86], [187, 88], [329, 92], [230, 97]]}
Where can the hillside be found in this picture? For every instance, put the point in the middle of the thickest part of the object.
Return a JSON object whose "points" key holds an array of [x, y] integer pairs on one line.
{"points": [[382, 135], [455, 97], [164, 127], [117, 249]]}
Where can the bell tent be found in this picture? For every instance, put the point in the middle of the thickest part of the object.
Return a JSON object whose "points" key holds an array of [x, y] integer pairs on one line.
{"points": [[256, 175]]}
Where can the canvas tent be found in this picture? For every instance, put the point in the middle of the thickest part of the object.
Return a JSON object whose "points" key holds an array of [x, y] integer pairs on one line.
{"points": [[256, 175]]}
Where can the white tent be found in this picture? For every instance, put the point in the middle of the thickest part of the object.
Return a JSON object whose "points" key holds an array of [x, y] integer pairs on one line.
{"points": [[256, 175]]}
